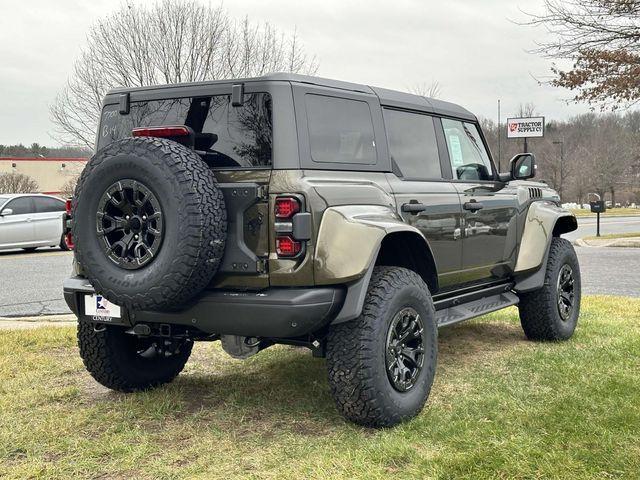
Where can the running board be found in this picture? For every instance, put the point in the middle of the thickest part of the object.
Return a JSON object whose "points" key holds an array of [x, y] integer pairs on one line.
{"points": [[475, 308]]}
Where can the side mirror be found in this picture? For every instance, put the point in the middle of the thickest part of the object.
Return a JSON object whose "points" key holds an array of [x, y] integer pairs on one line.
{"points": [[5, 212], [523, 166]]}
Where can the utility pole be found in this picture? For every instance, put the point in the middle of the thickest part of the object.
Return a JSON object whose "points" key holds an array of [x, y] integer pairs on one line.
{"points": [[561, 143], [499, 137]]}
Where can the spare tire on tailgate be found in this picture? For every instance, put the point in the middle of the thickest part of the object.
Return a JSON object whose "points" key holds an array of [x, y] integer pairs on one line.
{"points": [[149, 223]]}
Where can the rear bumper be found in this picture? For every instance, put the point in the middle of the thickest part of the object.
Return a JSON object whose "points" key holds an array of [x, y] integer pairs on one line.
{"points": [[273, 312]]}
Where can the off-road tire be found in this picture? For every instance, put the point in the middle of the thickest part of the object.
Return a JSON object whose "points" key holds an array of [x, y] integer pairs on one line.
{"points": [[539, 314], [194, 216], [110, 357], [356, 352]]}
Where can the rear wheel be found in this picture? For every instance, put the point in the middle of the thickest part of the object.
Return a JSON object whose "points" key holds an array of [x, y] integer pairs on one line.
{"points": [[125, 362], [551, 312], [381, 365]]}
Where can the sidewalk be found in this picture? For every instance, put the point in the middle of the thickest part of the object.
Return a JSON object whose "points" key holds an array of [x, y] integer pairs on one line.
{"points": [[629, 242], [21, 323]]}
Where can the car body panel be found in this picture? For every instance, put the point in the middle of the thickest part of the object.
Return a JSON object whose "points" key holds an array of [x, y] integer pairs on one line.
{"points": [[537, 234]]}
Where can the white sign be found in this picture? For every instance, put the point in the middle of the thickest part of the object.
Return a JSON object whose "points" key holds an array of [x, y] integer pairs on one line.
{"points": [[98, 306], [525, 127]]}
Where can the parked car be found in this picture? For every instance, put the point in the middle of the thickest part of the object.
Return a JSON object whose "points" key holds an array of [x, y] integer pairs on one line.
{"points": [[29, 221], [288, 209]]}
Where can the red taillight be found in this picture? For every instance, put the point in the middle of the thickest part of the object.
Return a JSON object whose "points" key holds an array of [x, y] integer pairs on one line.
{"points": [[287, 207], [68, 238], [287, 246], [162, 132]]}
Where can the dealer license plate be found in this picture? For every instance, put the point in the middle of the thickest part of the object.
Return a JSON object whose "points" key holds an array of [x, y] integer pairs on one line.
{"points": [[98, 306]]}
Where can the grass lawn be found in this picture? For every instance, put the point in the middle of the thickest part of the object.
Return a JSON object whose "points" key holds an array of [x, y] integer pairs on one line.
{"points": [[613, 236], [611, 212], [501, 407]]}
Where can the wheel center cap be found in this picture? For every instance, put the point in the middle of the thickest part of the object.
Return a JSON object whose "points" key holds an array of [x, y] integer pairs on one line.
{"points": [[135, 224]]}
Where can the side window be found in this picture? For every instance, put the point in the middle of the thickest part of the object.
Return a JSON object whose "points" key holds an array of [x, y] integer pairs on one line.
{"points": [[340, 130], [47, 204], [20, 205], [469, 158], [412, 144]]}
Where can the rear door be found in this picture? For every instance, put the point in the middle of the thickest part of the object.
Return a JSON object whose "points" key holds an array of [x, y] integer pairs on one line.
{"points": [[47, 220], [489, 214], [17, 230], [424, 197]]}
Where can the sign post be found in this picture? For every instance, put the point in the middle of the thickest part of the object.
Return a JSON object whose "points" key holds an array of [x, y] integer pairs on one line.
{"points": [[525, 128], [598, 207]]}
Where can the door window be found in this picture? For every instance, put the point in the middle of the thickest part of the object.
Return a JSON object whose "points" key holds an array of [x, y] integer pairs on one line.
{"points": [[48, 204], [412, 144], [468, 155], [340, 130], [20, 205]]}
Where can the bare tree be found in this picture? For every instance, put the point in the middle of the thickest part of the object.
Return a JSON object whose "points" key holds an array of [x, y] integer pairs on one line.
{"points": [[526, 110], [430, 90], [69, 187], [602, 39], [170, 41], [17, 183]]}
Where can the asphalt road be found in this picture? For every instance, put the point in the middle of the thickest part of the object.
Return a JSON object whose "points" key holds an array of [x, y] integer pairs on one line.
{"points": [[31, 283], [587, 226]]}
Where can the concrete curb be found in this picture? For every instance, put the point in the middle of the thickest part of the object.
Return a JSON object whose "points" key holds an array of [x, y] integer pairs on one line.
{"points": [[630, 242], [21, 323]]}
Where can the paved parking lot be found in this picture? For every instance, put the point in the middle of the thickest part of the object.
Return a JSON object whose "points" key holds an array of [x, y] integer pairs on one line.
{"points": [[31, 283]]}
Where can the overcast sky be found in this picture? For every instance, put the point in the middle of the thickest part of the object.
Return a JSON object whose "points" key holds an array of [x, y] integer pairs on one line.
{"points": [[472, 48]]}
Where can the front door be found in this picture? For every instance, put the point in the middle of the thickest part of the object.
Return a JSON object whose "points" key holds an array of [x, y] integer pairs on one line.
{"points": [[424, 198], [489, 230], [16, 229]]}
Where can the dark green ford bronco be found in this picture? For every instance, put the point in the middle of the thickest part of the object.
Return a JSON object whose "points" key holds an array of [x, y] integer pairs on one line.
{"points": [[286, 209]]}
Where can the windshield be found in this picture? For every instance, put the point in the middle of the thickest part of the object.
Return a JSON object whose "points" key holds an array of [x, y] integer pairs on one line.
{"points": [[226, 136]]}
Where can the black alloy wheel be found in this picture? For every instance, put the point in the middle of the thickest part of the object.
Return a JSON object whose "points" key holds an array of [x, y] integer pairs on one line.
{"points": [[566, 293], [129, 223], [405, 349]]}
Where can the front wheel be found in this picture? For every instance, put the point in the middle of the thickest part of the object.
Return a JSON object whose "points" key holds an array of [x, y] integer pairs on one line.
{"points": [[551, 312], [382, 364], [125, 362]]}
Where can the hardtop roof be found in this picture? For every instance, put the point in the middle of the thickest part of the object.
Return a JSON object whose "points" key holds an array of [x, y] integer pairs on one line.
{"points": [[387, 97]]}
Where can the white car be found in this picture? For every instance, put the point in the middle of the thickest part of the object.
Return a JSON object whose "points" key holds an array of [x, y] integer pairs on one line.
{"points": [[29, 221]]}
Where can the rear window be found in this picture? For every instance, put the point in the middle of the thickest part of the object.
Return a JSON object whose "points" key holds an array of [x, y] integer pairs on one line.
{"points": [[340, 130], [226, 136]]}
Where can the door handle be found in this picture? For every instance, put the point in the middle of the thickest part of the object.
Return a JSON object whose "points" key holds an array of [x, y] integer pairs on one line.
{"points": [[413, 207], [473, 206]]}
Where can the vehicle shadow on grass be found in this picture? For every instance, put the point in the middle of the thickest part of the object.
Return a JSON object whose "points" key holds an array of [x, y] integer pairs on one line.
{"points": [[286, 389]]}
